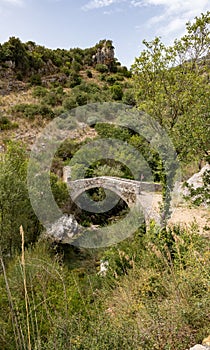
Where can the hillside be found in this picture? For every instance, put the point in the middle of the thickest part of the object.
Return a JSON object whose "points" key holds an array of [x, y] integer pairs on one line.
{"points": [[149, 287], [38, 84]]}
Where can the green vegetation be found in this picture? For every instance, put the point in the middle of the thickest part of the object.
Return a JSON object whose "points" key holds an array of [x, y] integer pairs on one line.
{"points": [[6, 124], [32, 110], [200, 195], [155, 294], [171, 84]]}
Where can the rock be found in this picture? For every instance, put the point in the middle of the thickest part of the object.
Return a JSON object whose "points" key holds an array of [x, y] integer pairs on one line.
{"points": [[197, 179], [206, 341], [180, 191], [104, 54], [10, 64], [64, 229], [199, 347], [104, 265]]}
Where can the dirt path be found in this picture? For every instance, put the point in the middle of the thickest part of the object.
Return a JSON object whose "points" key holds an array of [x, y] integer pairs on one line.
{"points": [[185, 215]]}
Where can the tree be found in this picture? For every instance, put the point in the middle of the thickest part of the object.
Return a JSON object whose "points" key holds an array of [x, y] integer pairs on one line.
{"points": [[171, 84], [117, 92], [15, 208], [15, 51]]}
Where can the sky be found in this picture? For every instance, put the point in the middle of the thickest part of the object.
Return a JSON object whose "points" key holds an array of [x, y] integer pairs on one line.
{"points": [[83, 23]]}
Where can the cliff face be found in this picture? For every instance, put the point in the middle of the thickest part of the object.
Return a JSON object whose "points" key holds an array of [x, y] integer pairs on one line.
{"points": [[104, 54]]}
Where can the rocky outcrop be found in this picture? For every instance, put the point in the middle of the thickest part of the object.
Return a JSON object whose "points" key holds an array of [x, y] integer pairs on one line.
{"points": [[180, 190], [104, 54], [197, 179]]}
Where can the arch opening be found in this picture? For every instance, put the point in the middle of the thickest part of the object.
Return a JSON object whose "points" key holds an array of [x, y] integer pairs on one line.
{"points": [[95, 213]]}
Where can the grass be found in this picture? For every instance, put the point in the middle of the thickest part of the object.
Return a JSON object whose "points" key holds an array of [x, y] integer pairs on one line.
{"points": [[154, 296]]}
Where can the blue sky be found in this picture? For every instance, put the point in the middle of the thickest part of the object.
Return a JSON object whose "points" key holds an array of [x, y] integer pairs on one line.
{"points": [[82, 23]]}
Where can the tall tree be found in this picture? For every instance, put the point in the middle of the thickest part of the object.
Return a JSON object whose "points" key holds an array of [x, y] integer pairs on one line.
{"points": [[172, 85]]}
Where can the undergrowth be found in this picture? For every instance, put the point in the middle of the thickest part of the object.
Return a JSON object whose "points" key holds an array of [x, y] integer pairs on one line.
{"points": [[155, 295]]}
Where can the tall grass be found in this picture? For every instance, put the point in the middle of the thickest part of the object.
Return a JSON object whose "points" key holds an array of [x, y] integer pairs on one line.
{"points": [[154, 296]]}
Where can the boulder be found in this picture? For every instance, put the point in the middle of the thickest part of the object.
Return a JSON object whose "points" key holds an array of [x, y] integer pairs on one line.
{"points": [[64, 229], [200, 347]]}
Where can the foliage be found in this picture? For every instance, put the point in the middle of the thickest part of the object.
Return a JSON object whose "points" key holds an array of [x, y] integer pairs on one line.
{"points": [[74, 79], [39, 91], [89, 73], [36, 79], [102, 68], [6, 124], [14, 202], [171, 84], [117, 92], [150, 298], [32, 110], [200, 195], [54, 97]]}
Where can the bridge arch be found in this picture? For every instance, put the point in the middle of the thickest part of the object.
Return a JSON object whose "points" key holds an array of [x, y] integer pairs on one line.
{"points": [[126, 192]]}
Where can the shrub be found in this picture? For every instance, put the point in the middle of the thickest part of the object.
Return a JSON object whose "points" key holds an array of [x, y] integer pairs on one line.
{"points": [[76, 66], [103, 77], [46, 112], [36, 79], [81, 98], [129, 98], [70, 103], [89, 74], [102, 68], [111, 79], [39, 91], [53, 98], [6, 124], [19, 76], [32, 110], [117, 92], [74, 79], [124, 71]]}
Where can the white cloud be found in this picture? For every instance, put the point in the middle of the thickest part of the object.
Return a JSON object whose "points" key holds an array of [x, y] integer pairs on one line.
{"points": [[12, 2], [95, 4], [175, 14]]}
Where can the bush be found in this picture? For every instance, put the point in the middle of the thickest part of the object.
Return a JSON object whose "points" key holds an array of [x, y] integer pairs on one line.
{"points": [[103, 77], [36, 79], [87, 87], [129, 98], [111, 79], [39, 91], [76, 66], [70, 103], [124, 72], [53, 97], [32, 110], [89, 74], [6, 124], [74, 79], [102, 68], [117, 92], [81, 98]]}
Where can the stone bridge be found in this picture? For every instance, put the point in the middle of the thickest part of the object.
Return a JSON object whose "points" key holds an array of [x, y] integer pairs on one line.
{"points": [[141, 197], [127, 189], [131, 191]]}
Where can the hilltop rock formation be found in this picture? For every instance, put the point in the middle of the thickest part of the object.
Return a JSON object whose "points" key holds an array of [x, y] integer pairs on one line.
{"points": [[104, 54]]}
